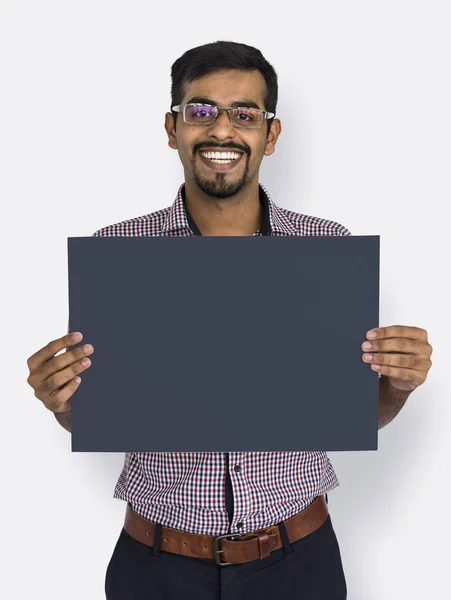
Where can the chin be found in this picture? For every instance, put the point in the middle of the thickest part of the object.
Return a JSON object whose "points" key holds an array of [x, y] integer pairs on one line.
{"points": [[220, 186], [221, 191]]}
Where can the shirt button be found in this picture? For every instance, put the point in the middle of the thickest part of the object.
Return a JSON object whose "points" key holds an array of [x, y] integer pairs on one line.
{"points": [[237, 468], [239, 525]]}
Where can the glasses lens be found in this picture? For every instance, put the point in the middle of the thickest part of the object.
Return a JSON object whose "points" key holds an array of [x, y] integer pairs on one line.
{"points": [[200, 114], [249, 118]]}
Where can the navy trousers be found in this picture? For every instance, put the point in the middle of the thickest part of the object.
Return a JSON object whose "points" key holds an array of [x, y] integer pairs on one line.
{"points": [[308, 569]]}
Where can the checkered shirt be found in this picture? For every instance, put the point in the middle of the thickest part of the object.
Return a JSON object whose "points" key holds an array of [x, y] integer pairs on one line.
{"points": [[186, 490]]}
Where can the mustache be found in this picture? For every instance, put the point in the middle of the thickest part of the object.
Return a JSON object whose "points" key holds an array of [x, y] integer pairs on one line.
{"points": [[229, 147]]}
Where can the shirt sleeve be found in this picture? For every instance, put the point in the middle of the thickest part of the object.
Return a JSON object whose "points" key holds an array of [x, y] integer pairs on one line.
{"points": [[343, 231]]}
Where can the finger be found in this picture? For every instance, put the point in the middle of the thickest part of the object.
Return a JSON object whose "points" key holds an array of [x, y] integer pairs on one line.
{"points": [[406, 361], [409, 375], [44, 354], [400, 331], [58, 363], [398, 345], [60, 401], [52, 384]]}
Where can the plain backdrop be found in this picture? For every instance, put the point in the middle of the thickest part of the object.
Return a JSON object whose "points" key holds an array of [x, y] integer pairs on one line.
{"points": [[364, 104]]}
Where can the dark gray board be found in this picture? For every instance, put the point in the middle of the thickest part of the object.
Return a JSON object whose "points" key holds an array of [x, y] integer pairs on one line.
{"points": [[218, 344]]}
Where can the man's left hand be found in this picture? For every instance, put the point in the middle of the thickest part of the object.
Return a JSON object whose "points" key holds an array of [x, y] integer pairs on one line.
{"points": [[401, 353]]}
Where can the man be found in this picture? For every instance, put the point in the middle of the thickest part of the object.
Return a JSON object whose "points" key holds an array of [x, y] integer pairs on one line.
{"points": [[273, 505]]}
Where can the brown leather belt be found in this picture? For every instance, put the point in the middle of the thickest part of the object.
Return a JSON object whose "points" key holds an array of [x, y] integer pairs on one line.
{"points": [[241, 548]]}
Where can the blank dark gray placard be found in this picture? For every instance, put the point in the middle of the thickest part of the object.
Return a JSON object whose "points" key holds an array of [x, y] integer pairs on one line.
{"points": [[218, 344]]}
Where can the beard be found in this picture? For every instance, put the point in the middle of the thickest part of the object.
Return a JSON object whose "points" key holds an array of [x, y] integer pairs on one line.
{"points": [[222, 185]]}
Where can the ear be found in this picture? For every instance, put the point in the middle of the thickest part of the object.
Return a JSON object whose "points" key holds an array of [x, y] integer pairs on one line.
{"points": [[170, 130], [274, 132]]}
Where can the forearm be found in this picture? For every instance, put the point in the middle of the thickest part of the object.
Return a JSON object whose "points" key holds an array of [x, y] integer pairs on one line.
{"points": [[64, 419], [391, 401]]}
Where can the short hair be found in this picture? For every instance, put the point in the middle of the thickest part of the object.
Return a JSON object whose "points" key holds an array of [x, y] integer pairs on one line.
{"points": [[220, 56]]}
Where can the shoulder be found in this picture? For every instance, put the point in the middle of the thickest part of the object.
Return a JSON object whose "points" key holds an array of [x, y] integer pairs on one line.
{"points": [[290, 222], [303, 224], [144, 225]]}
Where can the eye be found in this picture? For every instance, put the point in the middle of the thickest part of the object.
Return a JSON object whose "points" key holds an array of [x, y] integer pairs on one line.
{"points": [[246, 114], [202, 111]]}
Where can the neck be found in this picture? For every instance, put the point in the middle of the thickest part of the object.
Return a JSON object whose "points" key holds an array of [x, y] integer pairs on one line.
{"points": [[240, 214]]}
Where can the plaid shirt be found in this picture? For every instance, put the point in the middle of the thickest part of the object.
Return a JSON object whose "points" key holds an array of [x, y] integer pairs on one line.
{"points": [[214, 493]]}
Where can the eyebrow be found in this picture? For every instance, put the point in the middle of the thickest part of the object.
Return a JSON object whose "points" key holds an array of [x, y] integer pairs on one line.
{"points": [[236, 104]]}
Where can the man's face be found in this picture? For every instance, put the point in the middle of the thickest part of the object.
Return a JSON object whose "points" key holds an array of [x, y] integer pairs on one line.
{"points": [[218, 177]]}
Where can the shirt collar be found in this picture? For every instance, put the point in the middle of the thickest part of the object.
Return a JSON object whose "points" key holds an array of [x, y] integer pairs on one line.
{"points": [[180, 222]]}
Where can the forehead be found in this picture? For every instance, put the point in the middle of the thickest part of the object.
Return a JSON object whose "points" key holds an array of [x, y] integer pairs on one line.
{"points": [[225, 87]]}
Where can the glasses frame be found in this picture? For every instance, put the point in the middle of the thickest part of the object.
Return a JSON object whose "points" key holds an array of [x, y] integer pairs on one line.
{"points": [[181, 108]]}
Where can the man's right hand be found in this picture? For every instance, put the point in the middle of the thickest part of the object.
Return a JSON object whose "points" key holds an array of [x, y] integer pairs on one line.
{"points": [[53, 377]]}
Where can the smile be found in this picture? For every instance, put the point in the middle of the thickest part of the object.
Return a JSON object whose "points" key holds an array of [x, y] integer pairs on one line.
{"points": [[221, 161]]}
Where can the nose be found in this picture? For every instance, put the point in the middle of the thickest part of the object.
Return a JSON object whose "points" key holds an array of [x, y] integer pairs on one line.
{"points": [[221, 129]]}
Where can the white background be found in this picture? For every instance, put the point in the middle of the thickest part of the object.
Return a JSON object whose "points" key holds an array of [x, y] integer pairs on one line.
{"points": [[364, 104]]}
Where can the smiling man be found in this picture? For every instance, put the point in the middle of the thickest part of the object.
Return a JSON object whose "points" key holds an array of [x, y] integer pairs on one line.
{"points": [[203, 526], [224, 132]]}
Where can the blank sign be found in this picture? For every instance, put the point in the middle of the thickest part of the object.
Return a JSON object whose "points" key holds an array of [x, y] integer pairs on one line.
{"points": [[219, 344]]}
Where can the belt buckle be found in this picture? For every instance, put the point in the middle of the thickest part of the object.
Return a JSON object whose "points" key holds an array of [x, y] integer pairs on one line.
{"points": [[217, 551]]}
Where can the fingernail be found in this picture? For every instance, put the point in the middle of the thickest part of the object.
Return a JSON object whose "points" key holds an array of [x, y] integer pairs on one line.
{"points": [[371, 335], [76, 337]]}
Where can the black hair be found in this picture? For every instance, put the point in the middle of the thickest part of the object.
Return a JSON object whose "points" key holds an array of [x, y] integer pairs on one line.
{"points": [[219, 56]]}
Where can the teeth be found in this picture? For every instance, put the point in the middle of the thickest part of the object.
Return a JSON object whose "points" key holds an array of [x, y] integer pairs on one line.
{"points": [[221, 156]]}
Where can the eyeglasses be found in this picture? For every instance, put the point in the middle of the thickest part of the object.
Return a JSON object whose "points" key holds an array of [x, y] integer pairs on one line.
{"points": [[206, 114]]}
